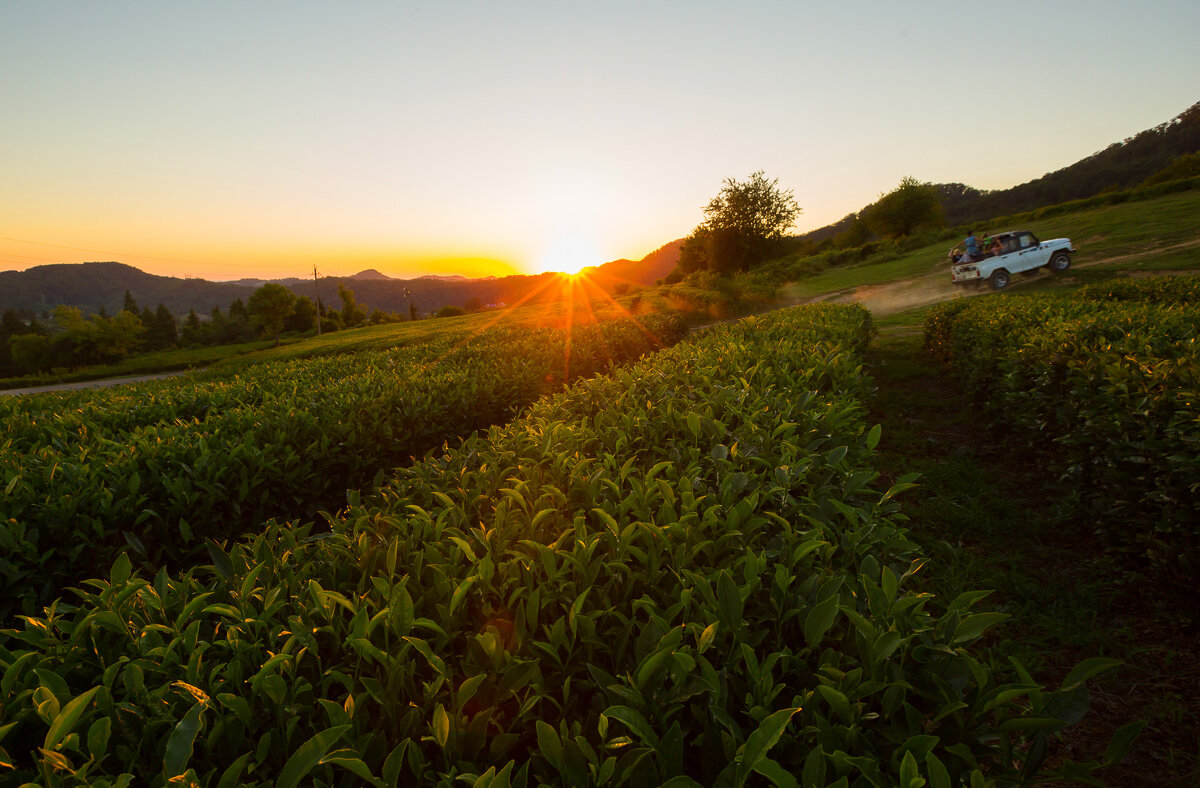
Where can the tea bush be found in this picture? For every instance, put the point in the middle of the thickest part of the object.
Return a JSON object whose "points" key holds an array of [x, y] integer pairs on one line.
{"points": [[679, 573], [1106, 393], [158, 467]]}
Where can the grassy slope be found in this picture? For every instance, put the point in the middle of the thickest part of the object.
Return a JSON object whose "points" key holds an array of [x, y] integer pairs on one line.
{"points": [[1127, 236]]}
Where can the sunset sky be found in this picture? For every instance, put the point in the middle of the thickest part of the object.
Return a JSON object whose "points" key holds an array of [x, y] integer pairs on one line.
{"points": [[258, 139]]}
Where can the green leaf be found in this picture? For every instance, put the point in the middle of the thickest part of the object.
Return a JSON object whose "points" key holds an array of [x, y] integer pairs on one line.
{"points": [[706, 637], [97, 737], [1122, 740], [121, 569], [814, 767], [837, 701], [232, 776], [221, 562], [465, 547], [729, 602], [939, 776], [441, 726], [910, 775], [973, 626], [778, 775], [761, 741], [550, 744], [819, 620], [308, 756], [67, 717], [347, 760], [179, 745], [636, 723], [873, 436], [1087, 669]]}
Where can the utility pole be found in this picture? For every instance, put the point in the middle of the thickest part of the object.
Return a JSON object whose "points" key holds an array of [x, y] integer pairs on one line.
{"points": [[318, 292]]}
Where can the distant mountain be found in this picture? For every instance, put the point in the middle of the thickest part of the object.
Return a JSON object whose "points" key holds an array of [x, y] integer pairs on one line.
{"points": [[368, 274], [646, 271], [450, 278], [92, 286]]}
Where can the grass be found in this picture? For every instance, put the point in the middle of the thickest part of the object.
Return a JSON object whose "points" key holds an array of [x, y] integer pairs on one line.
{"points": [[988, 518], [1147, 228]]}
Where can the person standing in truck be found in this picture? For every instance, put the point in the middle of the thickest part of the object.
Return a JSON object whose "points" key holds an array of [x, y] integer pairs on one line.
{"points": [[972, 247]]}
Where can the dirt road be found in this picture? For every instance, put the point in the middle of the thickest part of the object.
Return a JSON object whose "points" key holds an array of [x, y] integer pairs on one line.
{"points": [[93, 384]]}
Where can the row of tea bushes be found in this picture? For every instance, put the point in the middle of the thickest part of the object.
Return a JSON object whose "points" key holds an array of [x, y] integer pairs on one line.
{"points": [[279, 440], [1153, 290], [680, 574], [1107, 395]]}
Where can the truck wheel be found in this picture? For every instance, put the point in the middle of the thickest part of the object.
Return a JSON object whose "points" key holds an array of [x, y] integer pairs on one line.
{"points": [[1060, 262], [999, 279]]}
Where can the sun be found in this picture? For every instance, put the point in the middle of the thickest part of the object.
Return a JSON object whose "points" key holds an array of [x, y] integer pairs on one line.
{"points": [[569, 253]]}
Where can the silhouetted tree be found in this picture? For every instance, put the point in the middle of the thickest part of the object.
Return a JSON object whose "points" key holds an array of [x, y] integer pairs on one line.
{"points": [[352, 314], [270, 305], [303, 317], [910, 206], [742, 226], [192, 332]]}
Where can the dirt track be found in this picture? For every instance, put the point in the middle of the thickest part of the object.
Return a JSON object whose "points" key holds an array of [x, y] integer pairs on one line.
{"points": [[92, 384], [931, 288]]}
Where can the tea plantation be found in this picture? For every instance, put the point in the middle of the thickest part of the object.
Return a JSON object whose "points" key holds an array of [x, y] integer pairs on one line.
{"points": [[1104, 385], [159, 468], [681, 572]]}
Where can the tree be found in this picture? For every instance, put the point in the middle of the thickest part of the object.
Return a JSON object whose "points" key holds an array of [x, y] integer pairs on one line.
{"points": [[352, 314], [269, 306], [130, 304], [1186, 166], [29, 352], [93, 339], [193, 330], [742, 226], [237, 326], [164, 323], [303, 317], [910, 206]]}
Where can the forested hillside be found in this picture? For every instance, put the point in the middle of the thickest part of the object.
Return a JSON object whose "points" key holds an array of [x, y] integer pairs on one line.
{"points": [[1122, 165]]}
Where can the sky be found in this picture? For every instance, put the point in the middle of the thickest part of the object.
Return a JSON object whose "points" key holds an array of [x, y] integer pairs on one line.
{"points": [[230, 139]]}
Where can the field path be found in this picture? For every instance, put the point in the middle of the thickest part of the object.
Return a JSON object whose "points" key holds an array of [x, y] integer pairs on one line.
{"points": [[102, 383]]}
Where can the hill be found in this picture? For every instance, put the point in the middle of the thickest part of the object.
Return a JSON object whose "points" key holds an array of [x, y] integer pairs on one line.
{"points": [[91, 286], [646, 271], [1122, 165], [95, 285]]}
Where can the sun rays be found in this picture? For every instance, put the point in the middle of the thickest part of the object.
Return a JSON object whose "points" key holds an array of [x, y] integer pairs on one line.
{"points": [[567, 302]]}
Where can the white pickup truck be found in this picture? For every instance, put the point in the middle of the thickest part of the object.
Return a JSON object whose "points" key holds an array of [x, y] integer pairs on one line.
{"points": [[1008, 253]]}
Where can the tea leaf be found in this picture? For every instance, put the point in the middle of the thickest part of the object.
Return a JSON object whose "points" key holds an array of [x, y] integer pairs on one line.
{"points": [[308, 756]]}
